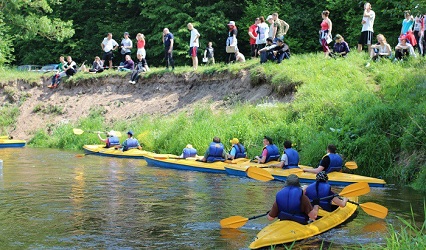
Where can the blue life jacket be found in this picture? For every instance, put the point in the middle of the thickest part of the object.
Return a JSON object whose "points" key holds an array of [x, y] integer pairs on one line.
{"points": [[293, 158], [113, 141], [318, 190], [131, 143], [336, 163], [215, 152], [273, 153], [240, 151], [289, 200], [189, 152]]}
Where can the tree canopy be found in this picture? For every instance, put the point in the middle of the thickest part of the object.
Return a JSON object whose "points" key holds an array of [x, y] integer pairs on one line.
{"points": [[39, 31]]}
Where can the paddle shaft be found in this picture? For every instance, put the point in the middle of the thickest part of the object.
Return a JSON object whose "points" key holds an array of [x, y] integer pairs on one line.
{"points": [[258, 216]]}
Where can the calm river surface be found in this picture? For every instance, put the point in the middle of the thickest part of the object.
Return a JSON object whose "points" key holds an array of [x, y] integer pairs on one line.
{"points": [[52, 199]]}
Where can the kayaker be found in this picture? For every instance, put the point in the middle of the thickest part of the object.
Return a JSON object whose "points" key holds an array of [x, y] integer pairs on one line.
{"points": [[291, 204], [290, 158], [215, 152], [321, 189], [331, 162], [238, 150], [189, 151], [130, 142], [270, 151], [111, 139]]}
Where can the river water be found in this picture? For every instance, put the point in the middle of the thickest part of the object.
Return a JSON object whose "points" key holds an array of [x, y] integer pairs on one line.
{"points": [[52, 199]]}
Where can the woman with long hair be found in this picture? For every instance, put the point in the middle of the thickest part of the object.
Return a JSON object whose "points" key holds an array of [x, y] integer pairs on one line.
{"points": [[325, 32]]}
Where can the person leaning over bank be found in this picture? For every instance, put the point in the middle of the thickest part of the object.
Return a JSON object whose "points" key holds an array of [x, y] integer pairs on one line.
{"points": [[292, 204], [290, 158], [331, 162], [130, 142], [111, 140], [237, 151]]}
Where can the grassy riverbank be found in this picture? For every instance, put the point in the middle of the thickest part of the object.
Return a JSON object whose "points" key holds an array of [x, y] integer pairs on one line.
{"points": [[375, 115]]}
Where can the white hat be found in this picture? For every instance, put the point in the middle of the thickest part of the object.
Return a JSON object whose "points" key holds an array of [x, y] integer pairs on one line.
{"points": [[269, 17], [111, 133], [231, 23]]}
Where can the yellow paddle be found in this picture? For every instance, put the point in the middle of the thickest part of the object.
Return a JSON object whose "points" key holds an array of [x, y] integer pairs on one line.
{"points": [[356, 189], [373, 209], [77, 131], [351, 165]]}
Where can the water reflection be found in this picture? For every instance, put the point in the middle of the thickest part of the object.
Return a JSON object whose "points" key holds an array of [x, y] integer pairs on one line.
{"points": [[55, 200]]}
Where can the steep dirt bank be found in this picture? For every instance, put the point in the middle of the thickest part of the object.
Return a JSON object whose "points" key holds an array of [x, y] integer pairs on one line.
{"points": [[42, 107]]}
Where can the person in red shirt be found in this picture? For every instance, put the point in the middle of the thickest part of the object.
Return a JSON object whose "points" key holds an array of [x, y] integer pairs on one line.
{"points": [[253, 34]]}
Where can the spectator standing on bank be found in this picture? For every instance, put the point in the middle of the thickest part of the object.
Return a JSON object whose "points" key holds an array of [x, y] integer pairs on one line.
{"points": [[367, 30], [168, 41], [325, 32], [262, 33], [193, 45], [108, 46], [272, 28], [141, 45], [209, 54], [232, 39], [126, 46], [280, 28], [253, 34]]}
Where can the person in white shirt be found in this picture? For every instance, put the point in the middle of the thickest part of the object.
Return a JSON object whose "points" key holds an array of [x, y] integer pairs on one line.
{"points": [[262, 33], [193, 45], [367, 30], [108, 45], [403, 49]]}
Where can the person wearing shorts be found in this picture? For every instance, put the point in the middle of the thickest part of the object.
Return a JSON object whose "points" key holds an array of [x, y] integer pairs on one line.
{"points": [[194, 44], [108, 46], [367, 31]]}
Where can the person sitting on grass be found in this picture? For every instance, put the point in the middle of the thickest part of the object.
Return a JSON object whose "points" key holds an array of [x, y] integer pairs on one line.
{"points": [[320, 189], [70, 68], [141, 66], [128, 65], [237, 151], [60, 69], [111, 140], [403, 49], [97, 66], [188, 151], [215, 152], [381, 49], [270, 151], [340, 48], [130, 142]]}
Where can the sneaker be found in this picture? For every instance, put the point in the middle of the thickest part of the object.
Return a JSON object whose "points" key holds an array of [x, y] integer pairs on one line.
{"points": [[50, 86], [133, 82], [367, 65]]}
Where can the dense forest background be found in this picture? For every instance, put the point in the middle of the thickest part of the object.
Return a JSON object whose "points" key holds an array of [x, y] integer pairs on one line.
{"points": [[39, 31]]}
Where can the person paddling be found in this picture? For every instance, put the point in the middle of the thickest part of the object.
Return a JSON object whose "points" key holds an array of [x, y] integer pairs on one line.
{"points": [[130, 142], [331, 162], [290, 158], [111, 140], [320, 189], [189, 151], [291, 204], [215, 152]]}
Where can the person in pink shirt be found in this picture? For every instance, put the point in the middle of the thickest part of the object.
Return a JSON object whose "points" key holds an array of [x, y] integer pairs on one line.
{"points": [[325, 32], [253, 34]]}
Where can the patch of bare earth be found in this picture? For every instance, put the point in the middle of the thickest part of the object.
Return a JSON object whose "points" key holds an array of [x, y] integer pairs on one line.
{"points": [[159, 95]]}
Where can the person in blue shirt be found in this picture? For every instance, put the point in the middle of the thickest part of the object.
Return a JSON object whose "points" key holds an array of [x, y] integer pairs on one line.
{"points": [[168, 41], [290, 158], [237, 151], [130, 142]]}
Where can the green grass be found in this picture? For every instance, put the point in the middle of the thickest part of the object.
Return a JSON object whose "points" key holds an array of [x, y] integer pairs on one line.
{"points": [[375, 115]]}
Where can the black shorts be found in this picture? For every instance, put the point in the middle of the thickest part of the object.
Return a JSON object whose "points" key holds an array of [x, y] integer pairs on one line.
{"points": [[107, 56], [366, 37]]}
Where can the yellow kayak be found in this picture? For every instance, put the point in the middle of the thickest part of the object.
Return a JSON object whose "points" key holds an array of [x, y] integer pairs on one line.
{"points": [[334, 178], [286, 231], [10, 143], [193, 164], [112, 152]]}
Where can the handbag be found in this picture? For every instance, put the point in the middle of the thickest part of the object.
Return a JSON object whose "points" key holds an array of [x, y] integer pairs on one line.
{"points": [[231, 49]]}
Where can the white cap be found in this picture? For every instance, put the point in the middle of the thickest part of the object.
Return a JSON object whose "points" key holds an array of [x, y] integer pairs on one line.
{"points": [[269, 17]]}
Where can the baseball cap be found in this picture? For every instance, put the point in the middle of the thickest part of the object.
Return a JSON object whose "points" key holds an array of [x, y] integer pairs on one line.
{"points": [[269, 17], [130, 132], [231, 23], [126, 33]]}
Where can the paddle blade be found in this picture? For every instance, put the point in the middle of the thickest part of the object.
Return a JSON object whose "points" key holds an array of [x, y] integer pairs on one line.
{"points": [[77, 131], [259, 174], [374, 209], [351, 165], [233, 222], [356, 189]]}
